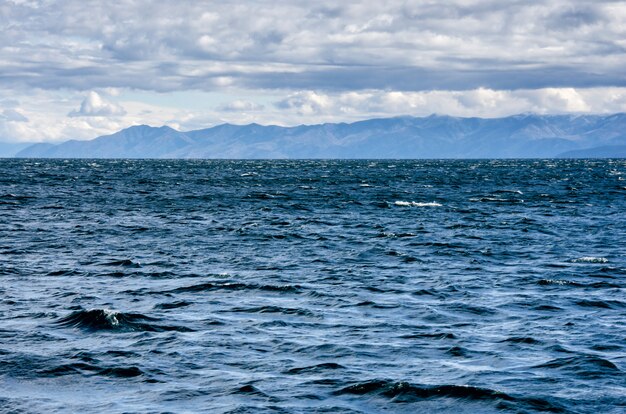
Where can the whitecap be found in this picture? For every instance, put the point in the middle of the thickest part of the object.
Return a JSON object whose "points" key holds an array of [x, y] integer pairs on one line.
{"points": [[591, 259], [555, 282], [110, 316], [416, 204], [510, 191]]}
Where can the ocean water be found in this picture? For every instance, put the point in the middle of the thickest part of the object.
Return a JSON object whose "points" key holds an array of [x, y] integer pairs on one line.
{"points": [[313, 286]]}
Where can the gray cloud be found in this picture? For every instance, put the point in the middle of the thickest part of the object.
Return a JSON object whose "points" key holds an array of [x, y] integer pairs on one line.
{"points": [[420, 79], [576, 17], [11, 115], [208, 45]]}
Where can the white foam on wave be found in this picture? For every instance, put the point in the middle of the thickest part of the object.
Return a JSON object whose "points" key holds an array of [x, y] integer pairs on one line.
{"points": [[110, 316], [557, 282], [591, 259], [415, 204]]}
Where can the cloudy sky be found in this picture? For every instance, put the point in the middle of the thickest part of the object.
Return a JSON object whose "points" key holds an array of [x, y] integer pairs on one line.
{"points": [[83, 68]]}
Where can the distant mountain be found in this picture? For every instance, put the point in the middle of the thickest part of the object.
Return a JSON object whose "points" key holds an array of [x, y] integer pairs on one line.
{"points": [[519, 136], [607, 151], [9, 149]]}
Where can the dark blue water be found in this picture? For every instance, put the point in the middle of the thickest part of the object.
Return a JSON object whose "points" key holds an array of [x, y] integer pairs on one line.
{"points": [[313, 287]]}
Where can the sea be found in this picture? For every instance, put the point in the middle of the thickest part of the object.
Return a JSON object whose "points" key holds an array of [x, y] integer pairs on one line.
{"points": [[312, 286]]}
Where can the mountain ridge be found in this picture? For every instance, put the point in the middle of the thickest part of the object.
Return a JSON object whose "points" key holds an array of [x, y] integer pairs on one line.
{"points": [[434, 136]]}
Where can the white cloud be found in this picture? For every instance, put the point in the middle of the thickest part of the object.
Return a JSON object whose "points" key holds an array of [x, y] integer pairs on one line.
{"points": [[306, 103], [96, 105], [481, 102], [564, 100], [240, 105]]}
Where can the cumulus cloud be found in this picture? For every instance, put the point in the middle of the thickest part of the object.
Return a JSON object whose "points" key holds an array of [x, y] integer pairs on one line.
{"points": [[96, 105], [306, 103], [479, 102]]}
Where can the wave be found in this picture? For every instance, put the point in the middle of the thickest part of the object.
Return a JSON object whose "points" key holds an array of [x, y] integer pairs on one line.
{"points": [[508, 192], [586, 366], [404, 392], [522, 340], [389, 234], [416, 204], [549, 308], [559, 282], [10, 196], [604, 304], [590, 259], [250, 390], [68, 272], [253, 391], [266, 196], [375, 305], [173, 305], [235, 286], [122, 263], [458, 351], [315, 368], [495, 200], [594, 285], [471, 309], [81, 368], [430, 335], [275, 309], [109, 320]]}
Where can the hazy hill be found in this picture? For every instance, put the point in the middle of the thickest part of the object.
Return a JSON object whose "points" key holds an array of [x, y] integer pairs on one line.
{"points": [[9, 149], [607, 151], [519, 136]]}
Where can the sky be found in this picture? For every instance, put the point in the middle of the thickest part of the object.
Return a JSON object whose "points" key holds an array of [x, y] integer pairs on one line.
{"points": [[78, 69]]}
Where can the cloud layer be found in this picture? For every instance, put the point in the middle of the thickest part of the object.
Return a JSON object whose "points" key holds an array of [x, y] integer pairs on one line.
{"points": [[296, 61], [417, 45]]}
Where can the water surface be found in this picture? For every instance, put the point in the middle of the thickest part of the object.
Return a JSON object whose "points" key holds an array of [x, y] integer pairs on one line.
{"points": [[312, 286]]}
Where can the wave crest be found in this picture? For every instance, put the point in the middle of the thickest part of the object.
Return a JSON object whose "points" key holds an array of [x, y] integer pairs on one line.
{"points": [[591, 259], [404, 392], [416, 204], [109, 320]]}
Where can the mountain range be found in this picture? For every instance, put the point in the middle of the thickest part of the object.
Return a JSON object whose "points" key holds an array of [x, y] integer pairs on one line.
{"points": [[435, 136]]}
